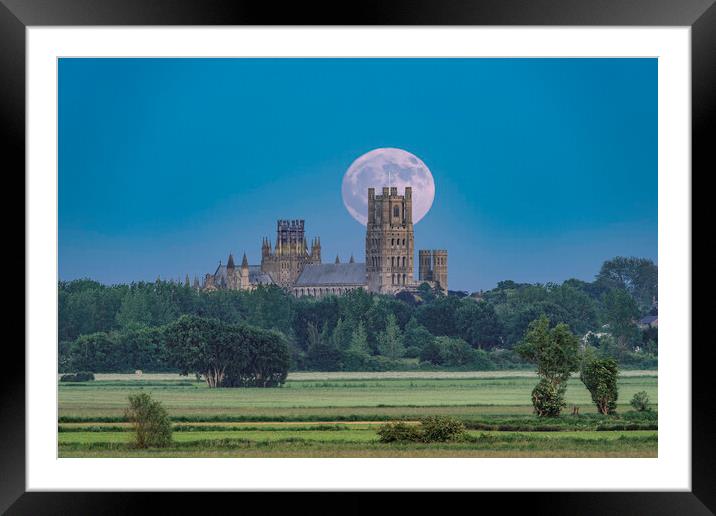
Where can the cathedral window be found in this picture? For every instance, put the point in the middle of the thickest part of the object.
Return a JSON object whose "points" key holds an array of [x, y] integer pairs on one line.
{"points": [[396, 212]]}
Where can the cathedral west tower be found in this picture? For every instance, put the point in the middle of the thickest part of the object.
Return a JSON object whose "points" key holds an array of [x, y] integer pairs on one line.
{"points": [[389, 240]]}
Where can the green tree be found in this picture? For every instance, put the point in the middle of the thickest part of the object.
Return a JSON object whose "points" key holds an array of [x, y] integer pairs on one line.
{"points": [[555, 351], [390, 342], [637, 276], [342, 335], [359, 339], [439, 317], [150, 421], [599, 376], [432, 353], [357, 355], [455, 351], [260, 357], [621, 314], [416, 335], [322, 353], [227, 355], [197, 345], [478, 324]]}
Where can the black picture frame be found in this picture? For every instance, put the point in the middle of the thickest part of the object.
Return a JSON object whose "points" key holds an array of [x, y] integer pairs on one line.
{"points": [[17, 15]]}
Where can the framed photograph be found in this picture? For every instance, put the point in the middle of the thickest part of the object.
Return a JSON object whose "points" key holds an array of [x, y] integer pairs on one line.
{"points": [[413, 248]]}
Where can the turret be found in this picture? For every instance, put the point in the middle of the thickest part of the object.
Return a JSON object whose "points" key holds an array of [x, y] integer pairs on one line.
{"points": [[338, 260], [265, 248], [316, 250], [244, 273]]}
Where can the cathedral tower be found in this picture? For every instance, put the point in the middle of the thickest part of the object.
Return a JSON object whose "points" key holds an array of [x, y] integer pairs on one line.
{"points": [[290, 254], [433, 267], [389, 240], [425, 265], [440, 268]]}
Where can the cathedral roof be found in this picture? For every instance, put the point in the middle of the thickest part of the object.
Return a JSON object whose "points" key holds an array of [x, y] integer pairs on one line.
{"points": [[256, 277], [332, 274]]}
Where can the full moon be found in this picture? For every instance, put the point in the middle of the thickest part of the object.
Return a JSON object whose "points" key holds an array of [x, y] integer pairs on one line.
{"points": [[387, 167]]}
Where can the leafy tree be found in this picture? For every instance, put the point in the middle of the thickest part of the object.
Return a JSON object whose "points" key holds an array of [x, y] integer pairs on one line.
{"points": [[637, 276], [455, 351], [97, 352], [357, 355], [359, 340], [439, 317], [150, 421], [322, 353], [342, 335], [555, 351], [580, 309], [478, 324], [416, 335], [432, 353], [426, 293], [621, 313], [261, 357], [227, 355], [197, 345], [390, 342], [600, 375], [548, 398]]}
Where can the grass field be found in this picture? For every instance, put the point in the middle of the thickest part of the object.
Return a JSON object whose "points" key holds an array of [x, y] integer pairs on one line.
{"points": [[337, 414]]}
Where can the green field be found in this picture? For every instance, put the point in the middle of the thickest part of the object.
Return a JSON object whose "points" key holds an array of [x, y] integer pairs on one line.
{"points": [[337, 414]]}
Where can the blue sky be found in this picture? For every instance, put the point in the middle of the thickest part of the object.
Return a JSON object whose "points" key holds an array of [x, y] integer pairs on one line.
{"points": [[543, 168]]}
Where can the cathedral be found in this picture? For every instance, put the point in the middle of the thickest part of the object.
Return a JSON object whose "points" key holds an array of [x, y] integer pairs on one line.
{"points": [[388, 266]]}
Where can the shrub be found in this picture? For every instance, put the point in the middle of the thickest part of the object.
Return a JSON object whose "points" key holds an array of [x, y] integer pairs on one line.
{"points": [[82, 376], [547, 399], [640, 401], [441, 428], [431, 429], [398, 432], [431, 353], [412, 352], [149, 420], [599, 376]]}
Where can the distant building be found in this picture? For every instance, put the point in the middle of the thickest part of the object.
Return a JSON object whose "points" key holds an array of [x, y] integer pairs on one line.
{"points": [[388, 268], [650, 321]]}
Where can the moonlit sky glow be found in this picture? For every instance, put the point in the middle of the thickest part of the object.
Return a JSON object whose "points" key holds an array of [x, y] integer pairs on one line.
{"points": [[541, 168]]}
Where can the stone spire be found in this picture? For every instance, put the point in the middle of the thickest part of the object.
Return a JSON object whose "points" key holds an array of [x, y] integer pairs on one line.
{"points": [[352, 260], [244, 262], [338, 260], [230, 263]]}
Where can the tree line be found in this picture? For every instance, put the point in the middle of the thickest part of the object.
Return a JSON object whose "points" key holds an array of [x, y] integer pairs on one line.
{"points": [[124, 327]]}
